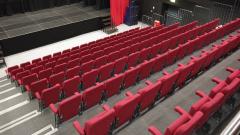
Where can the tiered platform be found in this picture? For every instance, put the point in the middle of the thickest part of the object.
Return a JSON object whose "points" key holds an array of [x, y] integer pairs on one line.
{"points": [[26, 31], [138, 77]]}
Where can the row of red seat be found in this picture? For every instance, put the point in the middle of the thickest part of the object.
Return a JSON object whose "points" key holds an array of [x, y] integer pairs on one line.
{"points": [[90, 78], [206, 107], [111, 89], [74, 50], [24, 77], [128, 108], [93, 75], [126, 33], [70, 60], [95, 94], [66, 56]]}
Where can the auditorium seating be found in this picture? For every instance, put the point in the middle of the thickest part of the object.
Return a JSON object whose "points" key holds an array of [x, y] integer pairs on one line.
{"points": [[100, 124], [26, 81], [138, 60], [48, 96], [93, 95], [208, 106], [171, 78], [71, 86], [205, 108], [67, 108], [184, 125], [37, 86]]}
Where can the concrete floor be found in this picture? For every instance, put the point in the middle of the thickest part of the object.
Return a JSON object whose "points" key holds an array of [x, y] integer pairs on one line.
{"points": [[14, 106]]}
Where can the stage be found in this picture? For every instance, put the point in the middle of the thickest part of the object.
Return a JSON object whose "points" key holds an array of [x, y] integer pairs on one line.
{"points": [[29, 30]]}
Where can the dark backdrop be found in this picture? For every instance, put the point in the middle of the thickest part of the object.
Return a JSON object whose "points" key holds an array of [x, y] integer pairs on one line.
{"points": [[146, 6], [33, 40]]}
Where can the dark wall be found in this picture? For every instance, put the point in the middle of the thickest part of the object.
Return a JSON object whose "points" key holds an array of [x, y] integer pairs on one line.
{"points": [[33, 40], [147, 5]]}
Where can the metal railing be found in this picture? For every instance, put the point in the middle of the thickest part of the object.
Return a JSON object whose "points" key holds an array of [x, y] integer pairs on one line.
{"points": [[233, 128]]}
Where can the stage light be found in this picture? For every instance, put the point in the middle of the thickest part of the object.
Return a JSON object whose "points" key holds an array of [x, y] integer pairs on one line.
{"points": [[173, 1]]}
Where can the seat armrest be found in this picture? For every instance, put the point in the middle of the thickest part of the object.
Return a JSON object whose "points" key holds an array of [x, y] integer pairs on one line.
{"points": [[181, 111], [201, 93], [78, 127], [216, 80], [165, 73], [148, 82], [53, 108], [154, 131], [106, 107], [129, 94], [38, 96], [180, 64], [193, 57], [28, 89], [229, 69]]}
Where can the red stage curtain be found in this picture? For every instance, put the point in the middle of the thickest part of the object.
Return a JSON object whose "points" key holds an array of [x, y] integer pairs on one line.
{"points": [[118, 10]]}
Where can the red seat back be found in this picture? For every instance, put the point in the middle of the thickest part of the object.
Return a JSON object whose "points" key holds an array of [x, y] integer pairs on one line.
{"points": [[56, 79], [184, 73], [27, 80], [93, 95], [73, 63], [71, 86], [100, 61], [20, 75], [148, 95], [51, 95], [168, 82], [86, 67], [145, 69], [89, 79], [60, 68], [106, 71], [70, 107], [131, 77], [45, 73], [120, 65], [133, 59], [100, 124], [38, 86], [113, 85], [125, 109], [75, 71]]}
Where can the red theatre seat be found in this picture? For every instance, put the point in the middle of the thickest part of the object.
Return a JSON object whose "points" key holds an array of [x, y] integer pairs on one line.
{"points": [[56, 79], [106, 71], [27, 80], [131, 77], [37, 86], [127, 108], [168, 83], [71, 72], [114, 85], [46, 73], [93, 95], [67, 108], [49, 96], [98, 125], [120, 65], [71, 86], [89, 79], [148, 95]]}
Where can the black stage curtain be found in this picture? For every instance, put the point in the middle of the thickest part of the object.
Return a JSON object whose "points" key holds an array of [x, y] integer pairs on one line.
{"points": [[102, 4], [10, 7]]}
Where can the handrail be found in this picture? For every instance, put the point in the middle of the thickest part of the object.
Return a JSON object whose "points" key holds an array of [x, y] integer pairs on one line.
{"points": [[233, 128]]}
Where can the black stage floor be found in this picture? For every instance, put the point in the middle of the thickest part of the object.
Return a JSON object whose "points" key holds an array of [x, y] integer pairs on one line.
{"points": [[19, 25]]}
